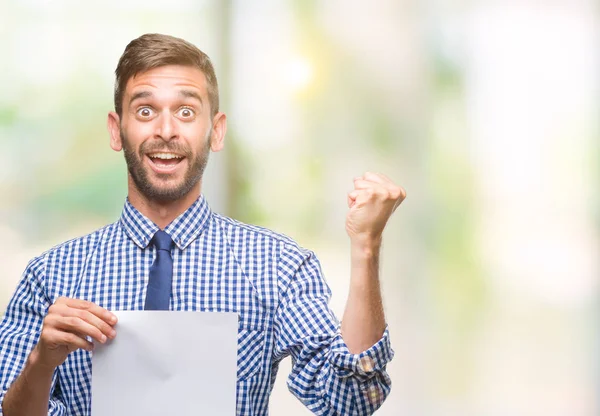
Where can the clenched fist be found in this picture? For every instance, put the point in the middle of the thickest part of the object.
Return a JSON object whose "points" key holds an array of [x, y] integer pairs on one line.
{"points": [[374, 198], [66, 327]]}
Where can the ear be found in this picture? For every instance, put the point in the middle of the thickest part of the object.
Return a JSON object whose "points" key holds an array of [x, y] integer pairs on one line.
{"points": [[114, 128], [218, 132]]}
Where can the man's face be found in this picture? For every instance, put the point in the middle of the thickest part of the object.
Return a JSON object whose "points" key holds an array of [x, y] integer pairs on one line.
{"points": [[166, 131]]}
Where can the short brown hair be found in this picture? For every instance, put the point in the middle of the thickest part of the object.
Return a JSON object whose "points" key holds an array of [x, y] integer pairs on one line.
{"points": [[154, 50]]}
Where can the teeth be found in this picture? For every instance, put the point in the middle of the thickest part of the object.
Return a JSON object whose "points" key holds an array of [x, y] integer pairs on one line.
{"points": [[165, 156]]}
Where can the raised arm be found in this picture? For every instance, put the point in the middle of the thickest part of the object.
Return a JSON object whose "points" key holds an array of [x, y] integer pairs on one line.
{"points": [[371, 204]]}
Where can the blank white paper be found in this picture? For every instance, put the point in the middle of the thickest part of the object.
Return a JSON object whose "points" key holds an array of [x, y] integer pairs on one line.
{"points": [[167, 363]]}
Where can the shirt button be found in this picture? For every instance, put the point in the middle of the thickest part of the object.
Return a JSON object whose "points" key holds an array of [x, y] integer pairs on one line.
{"points": [[366, 364], [374, 394]]}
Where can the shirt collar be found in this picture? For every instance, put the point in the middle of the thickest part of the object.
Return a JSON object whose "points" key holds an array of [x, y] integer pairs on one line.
{"points": [[183, 230]]}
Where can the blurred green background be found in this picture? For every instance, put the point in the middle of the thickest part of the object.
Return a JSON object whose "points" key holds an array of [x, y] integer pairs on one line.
{"points": [[486, 112]]}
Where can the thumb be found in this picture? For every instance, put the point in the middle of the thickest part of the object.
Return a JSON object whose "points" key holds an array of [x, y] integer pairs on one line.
{"points": [[352, 198]]}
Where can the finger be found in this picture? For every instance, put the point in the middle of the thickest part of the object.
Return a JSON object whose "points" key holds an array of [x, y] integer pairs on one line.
{"points": [[86, 315], [72, 341], [99, 311], [385, 182], [77, 325], [92, 319], [401, 196], [352, 198], [354, 194], [362, 196], [76, 341], [402, 193]]}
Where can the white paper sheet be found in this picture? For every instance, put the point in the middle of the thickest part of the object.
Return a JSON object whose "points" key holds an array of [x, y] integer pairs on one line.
{"points": [[167, 363]]}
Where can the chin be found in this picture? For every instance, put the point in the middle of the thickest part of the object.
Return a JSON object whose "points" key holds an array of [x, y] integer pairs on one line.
{"points": [[168, 193]]}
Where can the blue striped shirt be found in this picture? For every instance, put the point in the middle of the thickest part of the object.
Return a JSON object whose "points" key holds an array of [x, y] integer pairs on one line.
{"points": [[219, 264]]}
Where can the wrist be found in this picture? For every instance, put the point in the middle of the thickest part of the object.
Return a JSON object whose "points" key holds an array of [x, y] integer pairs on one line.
{"points": [[365, 246], [37, 366]]}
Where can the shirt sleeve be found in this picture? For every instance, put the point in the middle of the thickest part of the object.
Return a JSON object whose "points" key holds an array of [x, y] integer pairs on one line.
{"points": [[325, 376], [20, 330]]}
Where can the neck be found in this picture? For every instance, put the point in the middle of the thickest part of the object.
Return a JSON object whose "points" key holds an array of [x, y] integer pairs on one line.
{"points": [[161, 213]]}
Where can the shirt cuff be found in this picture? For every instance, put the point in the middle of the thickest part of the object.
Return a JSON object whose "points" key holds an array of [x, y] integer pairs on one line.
{"points": [[364, 365]]}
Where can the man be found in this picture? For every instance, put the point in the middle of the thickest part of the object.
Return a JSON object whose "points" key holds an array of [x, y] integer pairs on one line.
{"points": [[170, 251]]}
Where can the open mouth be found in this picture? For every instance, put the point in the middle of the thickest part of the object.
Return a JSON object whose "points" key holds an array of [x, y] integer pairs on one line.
{"points": [[164, 162]]}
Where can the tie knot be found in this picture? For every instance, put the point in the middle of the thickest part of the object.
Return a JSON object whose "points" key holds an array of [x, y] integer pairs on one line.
{"points": [[162, 241]]}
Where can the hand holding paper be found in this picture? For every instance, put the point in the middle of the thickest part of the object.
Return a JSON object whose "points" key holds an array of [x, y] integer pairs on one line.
{"points": [[66, 326]]}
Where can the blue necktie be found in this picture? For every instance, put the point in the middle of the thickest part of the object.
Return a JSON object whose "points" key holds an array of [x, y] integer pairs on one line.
{"points": [[161, 273]]}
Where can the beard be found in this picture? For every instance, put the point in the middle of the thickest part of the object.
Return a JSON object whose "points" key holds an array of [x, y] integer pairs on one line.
{"points": [[165, 192]]}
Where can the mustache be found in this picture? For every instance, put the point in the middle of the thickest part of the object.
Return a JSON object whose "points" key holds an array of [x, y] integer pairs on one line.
{"points": [[167, 147]]}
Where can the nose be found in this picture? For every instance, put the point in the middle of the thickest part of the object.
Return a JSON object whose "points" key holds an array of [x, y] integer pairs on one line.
{"points": [[167, 129]]}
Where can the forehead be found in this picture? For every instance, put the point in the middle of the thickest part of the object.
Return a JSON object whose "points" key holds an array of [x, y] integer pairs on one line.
{"points": [[170, 78]]}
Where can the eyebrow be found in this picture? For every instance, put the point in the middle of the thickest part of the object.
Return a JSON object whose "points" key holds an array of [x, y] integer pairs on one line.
{"points": [[138, 95], [191, 94], [182, 93]]}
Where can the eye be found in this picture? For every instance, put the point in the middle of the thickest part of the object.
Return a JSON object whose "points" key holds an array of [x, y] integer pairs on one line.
{"points": [[186, 113], [145, 112]]}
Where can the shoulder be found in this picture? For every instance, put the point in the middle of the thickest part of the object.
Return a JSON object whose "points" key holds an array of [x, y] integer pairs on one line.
{"points": [[238, 231], [235, 227], [78, 246], [251, 242], [68, 255]]}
